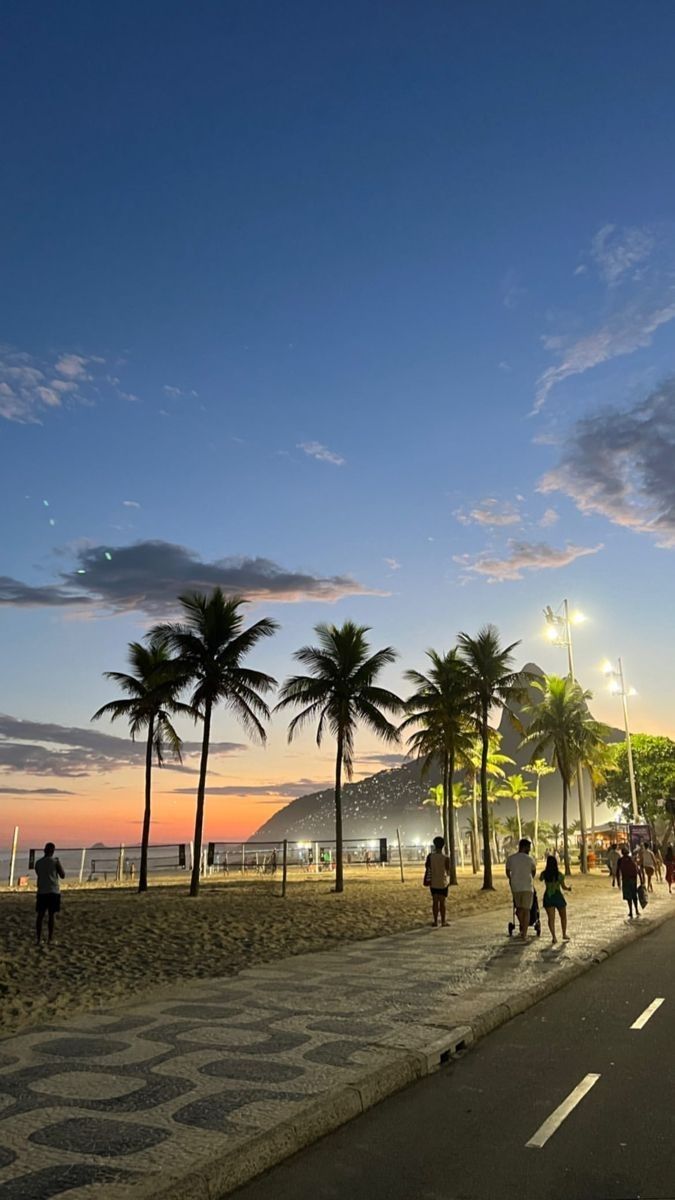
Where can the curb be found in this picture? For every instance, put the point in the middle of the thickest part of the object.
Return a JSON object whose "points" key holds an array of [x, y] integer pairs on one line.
{"points": [[251, 1157]]}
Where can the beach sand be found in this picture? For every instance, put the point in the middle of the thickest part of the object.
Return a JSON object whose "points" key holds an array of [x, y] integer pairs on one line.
{"points": [[113, 945]]}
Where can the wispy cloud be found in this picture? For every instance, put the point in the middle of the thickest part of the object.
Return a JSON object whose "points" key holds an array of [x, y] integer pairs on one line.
{"points": [[131, 504], [321, 453], [43, 748], [520, 557], [50, 792], [618, 251], [637, 267], [179, 393], [289, 790], [148, 576], [392, 563], [490, 512], [619, 463]]}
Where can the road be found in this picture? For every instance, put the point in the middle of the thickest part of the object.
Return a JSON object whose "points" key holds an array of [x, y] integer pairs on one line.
{"points": [[462, 1134]]}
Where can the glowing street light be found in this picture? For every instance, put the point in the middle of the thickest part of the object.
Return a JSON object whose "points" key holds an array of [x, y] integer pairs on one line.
{"points": [[617, 686], [559, 632]]}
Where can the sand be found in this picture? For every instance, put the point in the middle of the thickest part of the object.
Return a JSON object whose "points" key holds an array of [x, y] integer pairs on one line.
{"points": [[113, 945]]}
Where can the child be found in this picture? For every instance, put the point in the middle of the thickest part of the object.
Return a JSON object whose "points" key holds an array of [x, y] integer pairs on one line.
{"points": [[553, 896]]}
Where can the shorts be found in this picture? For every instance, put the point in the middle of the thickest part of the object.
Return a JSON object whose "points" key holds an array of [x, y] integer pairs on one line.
{"points": [[50, 902], [523, 900], [555, 901], [629, 889], [439, 891]]}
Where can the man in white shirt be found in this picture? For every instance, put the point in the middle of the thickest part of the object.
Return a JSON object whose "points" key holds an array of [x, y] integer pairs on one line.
{"points": [[49, 871], [520, 870]]}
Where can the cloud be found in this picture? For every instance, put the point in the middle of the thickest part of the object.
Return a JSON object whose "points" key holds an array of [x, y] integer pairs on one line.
{"points": [[321, 453], [637, 267], [179, 393], [29, 387], [384, 761], [131, 504], [72, 366], [42, 748], [505, 366], [617, 251], [581, 269], [392, 563], [619, 463], [148, 576], [549, 518], [630, 330], [288, 791], [490, 512], [50, 792], [522, 556], [512, 290]]}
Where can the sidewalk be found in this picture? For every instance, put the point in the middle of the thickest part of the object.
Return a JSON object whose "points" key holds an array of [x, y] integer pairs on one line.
{"points": [[212, 1083]]}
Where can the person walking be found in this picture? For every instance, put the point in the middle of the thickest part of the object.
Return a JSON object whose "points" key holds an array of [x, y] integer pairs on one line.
{"points": [[629, 872], [520, 871], [437, 879], [613, 862], [658, 863], [554, 880], [49, 871], [648, 864], [669, 862]]}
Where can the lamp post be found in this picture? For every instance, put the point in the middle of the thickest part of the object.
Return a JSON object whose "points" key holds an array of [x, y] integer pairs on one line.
{"points": [[559, 632], [618, 687]]}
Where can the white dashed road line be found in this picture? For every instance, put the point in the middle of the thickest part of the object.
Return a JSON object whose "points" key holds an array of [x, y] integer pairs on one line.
{"points": [[649, 1012], [563, 1110]]}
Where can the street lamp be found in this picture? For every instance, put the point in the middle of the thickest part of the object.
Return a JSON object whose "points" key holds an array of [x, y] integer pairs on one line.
{"points": [[617, 686]]}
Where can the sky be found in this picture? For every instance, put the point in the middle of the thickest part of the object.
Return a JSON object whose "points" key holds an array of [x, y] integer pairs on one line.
{"points": [[360, 310]]}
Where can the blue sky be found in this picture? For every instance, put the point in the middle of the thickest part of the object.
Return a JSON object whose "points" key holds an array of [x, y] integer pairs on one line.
{"points": [[381, 294]]}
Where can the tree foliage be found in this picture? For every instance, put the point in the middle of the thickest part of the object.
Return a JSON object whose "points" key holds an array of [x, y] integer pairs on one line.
{"points": [[654, 763]]}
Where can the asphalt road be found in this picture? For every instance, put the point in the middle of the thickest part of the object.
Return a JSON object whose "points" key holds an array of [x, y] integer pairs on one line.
{"points": [[462, 1134]]}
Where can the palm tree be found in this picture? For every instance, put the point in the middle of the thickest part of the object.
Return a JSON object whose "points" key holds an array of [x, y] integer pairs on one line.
{"points": [[599, 762], [492, 684], [340, 690], [470, 760], [435, 796], [513, 828], [556, 729], [210, 645], [539, 768], [556, 830], [438, 707], [460, 798], [152, 699], [517, 789]]}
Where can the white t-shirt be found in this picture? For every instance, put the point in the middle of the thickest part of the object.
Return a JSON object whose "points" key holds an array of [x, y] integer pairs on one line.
{"points": [[648, 859], [520, 869]]}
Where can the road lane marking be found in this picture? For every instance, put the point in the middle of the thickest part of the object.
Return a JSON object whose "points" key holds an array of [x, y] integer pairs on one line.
{"points": [[563, 1110], [649, 1012]]}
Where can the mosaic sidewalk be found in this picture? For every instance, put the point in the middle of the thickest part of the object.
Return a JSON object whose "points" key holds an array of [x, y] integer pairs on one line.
{"points": [[200, 1090]]}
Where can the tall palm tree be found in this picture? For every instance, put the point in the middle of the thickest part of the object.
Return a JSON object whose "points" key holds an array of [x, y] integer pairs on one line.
{"points": [[556, 830], [439, 709], [435, 796], [538, 768], [470, 761], [556, 729], [516, 788], [340, 690], [211, 644], [460, 798], [492, 684], [152, 689], [599, 762]]}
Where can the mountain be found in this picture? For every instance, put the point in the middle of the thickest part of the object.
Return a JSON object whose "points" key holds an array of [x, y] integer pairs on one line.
{"points": [[375, 807]]}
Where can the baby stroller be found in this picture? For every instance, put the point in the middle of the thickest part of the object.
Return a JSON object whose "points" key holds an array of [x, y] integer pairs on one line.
{"points": [[535, 920]]}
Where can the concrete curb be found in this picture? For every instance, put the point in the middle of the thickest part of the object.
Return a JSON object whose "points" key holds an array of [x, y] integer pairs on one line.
{"points": [[252, 1156]]}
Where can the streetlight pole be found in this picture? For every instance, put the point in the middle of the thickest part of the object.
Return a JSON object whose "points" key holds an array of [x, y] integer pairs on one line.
{"points": [[568, 640], [619, 688]]}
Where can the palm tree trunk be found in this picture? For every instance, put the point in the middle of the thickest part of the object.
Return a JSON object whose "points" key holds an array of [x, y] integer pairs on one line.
{"points": [[566, 847], [448, 773], [536, 821], [593, 804], [475, 861], [444, 785], [339, 867], [459, 838], [145, 835], [520, 823], [582, 820], [485, 810], [201, 792]]}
